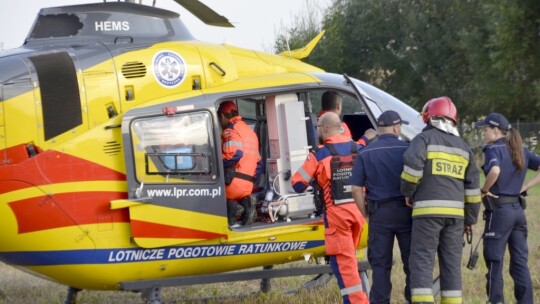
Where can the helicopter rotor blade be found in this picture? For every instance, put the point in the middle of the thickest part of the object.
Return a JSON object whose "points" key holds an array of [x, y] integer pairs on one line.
{"points": [[204, 13]]}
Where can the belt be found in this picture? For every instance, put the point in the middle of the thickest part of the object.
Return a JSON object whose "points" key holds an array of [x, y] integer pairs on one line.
{"points": [[391, 203], [505, 200], [244, 176]]}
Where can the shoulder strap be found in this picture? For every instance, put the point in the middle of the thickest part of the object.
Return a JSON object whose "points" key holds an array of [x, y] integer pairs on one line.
{"points": [[331, 148], [354, 148], [333, 151]]}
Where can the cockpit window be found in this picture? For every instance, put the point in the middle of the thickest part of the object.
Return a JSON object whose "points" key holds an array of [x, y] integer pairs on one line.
{"points": [[99, 24], [60, 25], [380, 101], [349, 102], [174, 149]]}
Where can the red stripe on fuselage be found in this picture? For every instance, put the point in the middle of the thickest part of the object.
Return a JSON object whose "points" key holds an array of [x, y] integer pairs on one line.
{"points": [[49, 211], [53, 167], [143, 229], [67, 209]]}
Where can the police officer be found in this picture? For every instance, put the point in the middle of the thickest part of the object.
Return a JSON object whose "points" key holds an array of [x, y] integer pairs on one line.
{"points": [[505, 165], [378, 168], [331, 166], [241, 161], [441, 182]]}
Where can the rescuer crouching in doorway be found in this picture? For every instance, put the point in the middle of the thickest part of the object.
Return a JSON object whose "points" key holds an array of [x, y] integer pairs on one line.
{"points": [[241, 161]]}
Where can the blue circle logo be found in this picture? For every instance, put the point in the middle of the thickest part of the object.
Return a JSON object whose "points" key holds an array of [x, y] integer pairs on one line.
{"points": [[169, 69]]}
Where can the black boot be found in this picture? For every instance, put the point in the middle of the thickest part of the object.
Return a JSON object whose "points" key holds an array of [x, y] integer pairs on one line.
{"points": [[231, 212], [249, 205]]}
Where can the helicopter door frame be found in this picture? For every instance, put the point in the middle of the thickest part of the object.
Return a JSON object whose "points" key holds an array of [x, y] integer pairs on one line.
{"points": [[2, 120], [178, 151], [362, 99], [176, 195], [99, 77]]}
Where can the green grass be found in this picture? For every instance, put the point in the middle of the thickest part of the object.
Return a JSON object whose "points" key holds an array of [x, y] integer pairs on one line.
{"points": [[19, 287]]}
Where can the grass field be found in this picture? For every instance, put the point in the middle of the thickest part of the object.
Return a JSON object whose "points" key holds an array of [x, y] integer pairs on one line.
{"points": [[19, 287]]}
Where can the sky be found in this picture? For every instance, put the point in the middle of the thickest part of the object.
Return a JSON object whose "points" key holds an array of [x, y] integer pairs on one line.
{"points": [[256, 21]]}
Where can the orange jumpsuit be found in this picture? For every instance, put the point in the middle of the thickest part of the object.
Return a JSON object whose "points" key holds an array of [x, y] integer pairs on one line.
{"points": [[343, 222], [240, 147]]}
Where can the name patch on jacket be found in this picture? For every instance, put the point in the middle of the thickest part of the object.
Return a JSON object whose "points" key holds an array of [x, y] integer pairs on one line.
{"points": [[448, 168]]}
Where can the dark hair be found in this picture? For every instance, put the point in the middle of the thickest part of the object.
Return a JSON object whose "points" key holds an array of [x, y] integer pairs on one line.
{"points": [[330, 100], [513, 140]]}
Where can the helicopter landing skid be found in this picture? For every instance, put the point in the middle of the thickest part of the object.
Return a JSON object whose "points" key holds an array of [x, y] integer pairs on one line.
{"points": [[152, 295], [71, 297], [323, 275]]}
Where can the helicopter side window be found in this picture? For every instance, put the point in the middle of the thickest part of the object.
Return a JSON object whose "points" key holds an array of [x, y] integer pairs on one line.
{"points": [[248, 107], [59, 25], [352, 113], [179, 148]]}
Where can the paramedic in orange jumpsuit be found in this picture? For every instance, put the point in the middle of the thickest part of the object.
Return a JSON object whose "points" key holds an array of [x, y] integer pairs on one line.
{"points": [[331, 101], [241, 159], [342, 217]]}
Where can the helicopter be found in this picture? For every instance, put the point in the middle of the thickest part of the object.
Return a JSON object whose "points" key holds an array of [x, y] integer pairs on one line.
{"points": [[111, 174]]}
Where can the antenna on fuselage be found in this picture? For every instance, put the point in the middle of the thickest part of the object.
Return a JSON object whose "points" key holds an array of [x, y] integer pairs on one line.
{"points": [[287, 43]]}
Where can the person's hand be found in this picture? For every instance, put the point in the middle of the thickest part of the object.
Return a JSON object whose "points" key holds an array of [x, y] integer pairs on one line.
{"points": [[468, 229], [408, 202], [489, 194], [370, 133]]}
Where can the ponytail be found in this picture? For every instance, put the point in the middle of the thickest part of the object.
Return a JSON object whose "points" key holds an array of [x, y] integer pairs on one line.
{"points": [[513, 140]]}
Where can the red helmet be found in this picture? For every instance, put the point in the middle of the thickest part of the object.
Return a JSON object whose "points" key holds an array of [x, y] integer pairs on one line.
{"points": [[440, 106]]}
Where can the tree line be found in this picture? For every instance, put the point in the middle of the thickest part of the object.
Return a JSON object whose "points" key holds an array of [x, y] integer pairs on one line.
{"points": [[484, 55]]}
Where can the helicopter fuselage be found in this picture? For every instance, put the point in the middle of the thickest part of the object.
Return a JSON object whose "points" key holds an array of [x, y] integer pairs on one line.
{"points": [[111, 165]]}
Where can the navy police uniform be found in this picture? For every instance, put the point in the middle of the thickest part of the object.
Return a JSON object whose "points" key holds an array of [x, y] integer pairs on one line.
{"points": [[378, 168], [506, 223]]}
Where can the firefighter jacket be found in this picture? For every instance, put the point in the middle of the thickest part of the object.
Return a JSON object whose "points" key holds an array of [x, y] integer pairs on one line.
{"points": [[318, 166], [440, 176], [241, 158]]}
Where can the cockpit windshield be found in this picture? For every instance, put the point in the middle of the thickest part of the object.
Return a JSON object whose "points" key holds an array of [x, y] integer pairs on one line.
{"points": [[107, 20], [379, 101]]}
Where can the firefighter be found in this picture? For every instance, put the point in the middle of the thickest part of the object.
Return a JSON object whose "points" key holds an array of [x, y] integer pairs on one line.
{"points": [[505, 164], [331, 166], [441, 183], [332, 102], [241, 161], [378, 169]]}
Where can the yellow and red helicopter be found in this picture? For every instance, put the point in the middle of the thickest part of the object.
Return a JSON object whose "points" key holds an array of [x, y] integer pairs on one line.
{"points": [[111, 175]]}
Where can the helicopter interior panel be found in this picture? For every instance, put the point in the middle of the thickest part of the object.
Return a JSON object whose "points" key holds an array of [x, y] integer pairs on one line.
{"points": [[177, 158]]}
